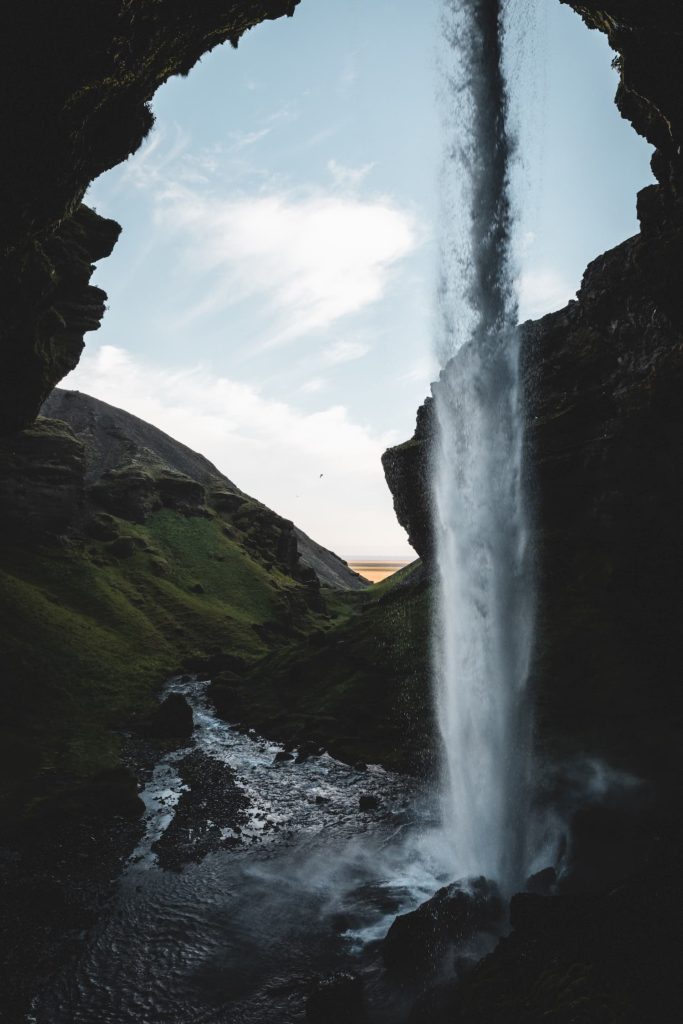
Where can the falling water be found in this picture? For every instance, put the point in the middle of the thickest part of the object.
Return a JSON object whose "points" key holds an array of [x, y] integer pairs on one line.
{"points": [[483, 630]]}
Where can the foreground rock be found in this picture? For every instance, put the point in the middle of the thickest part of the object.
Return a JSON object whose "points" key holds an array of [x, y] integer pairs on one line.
{"points": [[172, 720], [611, 955], [418, 942]]}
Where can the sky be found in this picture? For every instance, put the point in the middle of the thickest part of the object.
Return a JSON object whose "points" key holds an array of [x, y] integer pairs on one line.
{"points": [[271, 299]]}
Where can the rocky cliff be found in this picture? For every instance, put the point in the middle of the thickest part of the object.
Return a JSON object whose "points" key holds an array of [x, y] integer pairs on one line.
{"points": [[76, 80]]}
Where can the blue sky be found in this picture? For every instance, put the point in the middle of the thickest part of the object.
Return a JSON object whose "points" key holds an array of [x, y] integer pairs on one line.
{"points": [[271, 298]]}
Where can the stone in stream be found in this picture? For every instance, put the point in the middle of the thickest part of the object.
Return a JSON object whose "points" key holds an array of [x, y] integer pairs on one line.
{"points": [[173, 719], [282, 756], [368, 802], [308, 749], [417, 942]]}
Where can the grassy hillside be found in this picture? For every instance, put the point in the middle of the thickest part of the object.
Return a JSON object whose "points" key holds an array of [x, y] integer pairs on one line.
{"points": [[90, 631]]}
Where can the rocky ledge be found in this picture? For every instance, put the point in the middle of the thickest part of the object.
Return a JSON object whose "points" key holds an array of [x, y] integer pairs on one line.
{"points": [[76, 81]]}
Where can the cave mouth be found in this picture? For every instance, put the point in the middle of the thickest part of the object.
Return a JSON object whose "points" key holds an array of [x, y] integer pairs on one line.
{"points": [[277, 901]]}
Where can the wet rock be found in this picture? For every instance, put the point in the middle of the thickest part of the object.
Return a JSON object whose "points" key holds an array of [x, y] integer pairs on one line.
{"points": [[337, 999], [529, 911], [368, 802], [282, 756], [307, 750], [543, 883], [224, 692], [417, 942], [173, 719]]}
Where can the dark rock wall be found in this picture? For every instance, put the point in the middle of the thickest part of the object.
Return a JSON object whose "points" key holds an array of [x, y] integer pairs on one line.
{"points": [[603, 381], [647, 37], [76, 79]]}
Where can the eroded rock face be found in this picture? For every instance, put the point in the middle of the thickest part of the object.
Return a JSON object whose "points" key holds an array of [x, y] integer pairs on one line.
{"points": [[407, 470], [76, 80], [417, 943], [647, 38], [603, 380], [41, 480]]}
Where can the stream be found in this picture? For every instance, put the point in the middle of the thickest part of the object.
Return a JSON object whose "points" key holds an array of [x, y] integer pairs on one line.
{"points": [[299, 883]]}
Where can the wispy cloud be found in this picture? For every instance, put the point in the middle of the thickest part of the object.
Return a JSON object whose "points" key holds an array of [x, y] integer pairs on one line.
{"points": [[271, 449], [307, 257], [348, 177], [309, 260], [345, 352]]}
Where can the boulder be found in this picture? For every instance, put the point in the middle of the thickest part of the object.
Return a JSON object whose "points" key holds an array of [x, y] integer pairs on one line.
{"points": [[307, 750], [417, 942], [123, 547], [368, 802], [173, 719], [543, 883], [282, 756]]}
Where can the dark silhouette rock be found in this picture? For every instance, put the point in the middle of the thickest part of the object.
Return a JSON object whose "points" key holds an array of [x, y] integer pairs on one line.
{"points": [[417, 942], [337, 999], [543, 883], [282, 757], [368, 802], [123, 547], [76, 86], [173, 719], [307, 750]]}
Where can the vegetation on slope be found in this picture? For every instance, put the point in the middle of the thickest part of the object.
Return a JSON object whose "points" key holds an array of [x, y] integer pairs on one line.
{"points": [[90, 631], [358, 687]]}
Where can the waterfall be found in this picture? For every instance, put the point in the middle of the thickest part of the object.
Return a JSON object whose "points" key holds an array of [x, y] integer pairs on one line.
{"points": [[484, 619]]}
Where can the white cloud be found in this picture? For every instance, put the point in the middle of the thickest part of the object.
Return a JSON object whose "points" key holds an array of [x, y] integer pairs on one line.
{"points": [[542, 290], [306, 258], [309, 261], [271, 449], [242, 140], [345, 352]]}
